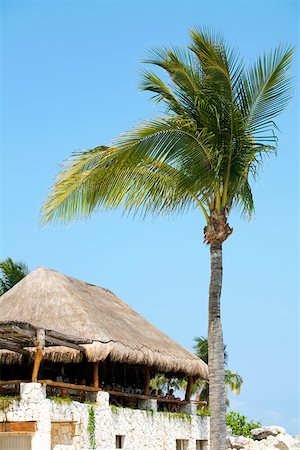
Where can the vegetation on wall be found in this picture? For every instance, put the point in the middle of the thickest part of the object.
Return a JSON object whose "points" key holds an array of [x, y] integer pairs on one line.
{"points": [[61, 400], [91, 428], [177, 415], [6, 401]]}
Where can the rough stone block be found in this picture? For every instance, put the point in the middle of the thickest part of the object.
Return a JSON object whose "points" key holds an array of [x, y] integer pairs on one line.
{"points": [[102, 398], [33, 392], [149, 404], [189, 408]]}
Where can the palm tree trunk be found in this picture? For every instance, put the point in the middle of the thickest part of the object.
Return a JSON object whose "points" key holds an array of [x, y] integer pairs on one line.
{"points": [[217, 402]]}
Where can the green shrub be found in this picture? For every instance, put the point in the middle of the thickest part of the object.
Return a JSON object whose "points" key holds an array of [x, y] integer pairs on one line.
{"points": [[61, 400], [200, 412], [177, 415], [114, 408], [5, 401], [239, 424]]}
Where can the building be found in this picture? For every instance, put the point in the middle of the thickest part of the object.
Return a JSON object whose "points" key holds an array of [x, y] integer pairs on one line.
{"points": [[76, 370]]}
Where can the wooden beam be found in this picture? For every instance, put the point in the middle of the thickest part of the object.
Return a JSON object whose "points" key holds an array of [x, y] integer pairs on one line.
{"points": [[18, 427], [36, 365], [96, 374], [9, 325], [147, 381], [12, 382], [56, 341], [29, 330], [5, 326], [22, 331], [67, 337], [103, 371], [79, 387], [189, 389], [14, 337], [12, 347]]}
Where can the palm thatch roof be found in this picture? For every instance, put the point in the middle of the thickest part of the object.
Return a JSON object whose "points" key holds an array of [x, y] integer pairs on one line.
{"points": [[51, 300]]}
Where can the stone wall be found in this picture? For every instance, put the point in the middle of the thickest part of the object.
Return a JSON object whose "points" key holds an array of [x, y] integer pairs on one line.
{"points": [[74, 426], [265, 438]]}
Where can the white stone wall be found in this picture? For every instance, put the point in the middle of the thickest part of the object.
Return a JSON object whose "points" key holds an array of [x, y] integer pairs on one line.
{"points": [[69, 424], [143, 430]]}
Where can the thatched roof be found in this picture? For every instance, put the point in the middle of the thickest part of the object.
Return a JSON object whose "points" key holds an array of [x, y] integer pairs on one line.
{"points": [[50, 300]]}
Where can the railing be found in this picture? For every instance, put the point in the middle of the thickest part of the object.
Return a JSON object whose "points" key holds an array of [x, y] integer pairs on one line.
{"points": [[173, 405], [164, 404], [168, 404], [125, 399], [77, 392], [84, 393], [11, 387]]}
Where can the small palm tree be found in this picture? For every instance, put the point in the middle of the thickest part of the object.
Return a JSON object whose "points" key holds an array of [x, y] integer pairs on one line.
{"points": [[233, 381], [203, 154], [161, 382], [11, 273]]}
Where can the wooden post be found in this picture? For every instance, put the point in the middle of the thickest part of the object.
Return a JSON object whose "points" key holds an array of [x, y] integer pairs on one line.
{"points": [[40, 344], [147, 382], [103, 371], [189, 389], [96, 374], [36, 365]]}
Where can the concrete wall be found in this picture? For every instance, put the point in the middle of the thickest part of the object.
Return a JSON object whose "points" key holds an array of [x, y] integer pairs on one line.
{"points": [[69, 426]]}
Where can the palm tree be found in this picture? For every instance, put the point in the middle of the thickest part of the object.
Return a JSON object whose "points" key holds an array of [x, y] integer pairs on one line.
{"points": [[11, 273], [161, 382], [233, 380], [203, 154]]}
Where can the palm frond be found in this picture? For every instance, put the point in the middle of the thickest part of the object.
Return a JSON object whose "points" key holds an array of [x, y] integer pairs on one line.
{"points": [[11, 273], [180, 65], [149, 186], [268, 88], [151, 82], [212, 54], [233, 381], [207, 151]]}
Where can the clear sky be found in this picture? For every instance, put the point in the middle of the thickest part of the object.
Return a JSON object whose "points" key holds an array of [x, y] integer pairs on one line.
{"points": [[70, 77]]}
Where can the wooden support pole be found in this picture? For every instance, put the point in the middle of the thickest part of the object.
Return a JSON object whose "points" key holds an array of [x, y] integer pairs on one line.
{"points": [[147, 382], [36, 366], [96, 374], [189, 389], [103, 371], [40, 344]]}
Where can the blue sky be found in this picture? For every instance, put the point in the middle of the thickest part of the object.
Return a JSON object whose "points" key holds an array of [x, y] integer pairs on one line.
{"points": [[70, 77]]}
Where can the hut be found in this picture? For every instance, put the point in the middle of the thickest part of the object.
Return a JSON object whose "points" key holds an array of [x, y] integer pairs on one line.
{"points": [[93, 326], [61, 338]]}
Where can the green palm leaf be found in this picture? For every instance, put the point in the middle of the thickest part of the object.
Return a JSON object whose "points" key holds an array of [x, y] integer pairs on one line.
{"points": [[268, 89], [11, 273], [219, 124]]}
